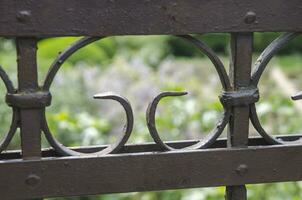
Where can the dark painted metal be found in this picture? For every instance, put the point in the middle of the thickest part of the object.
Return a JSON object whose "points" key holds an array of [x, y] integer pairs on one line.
{"points": [[119, 17], [240, 72], [14, 121], [30, 118], [62, 150], [29, 101], [297, 96], [39, 99], [202, 143], [208, 162], [224, 119], [246, 96], [76, 176], [146, 147], [62, 57], [258, 70]]}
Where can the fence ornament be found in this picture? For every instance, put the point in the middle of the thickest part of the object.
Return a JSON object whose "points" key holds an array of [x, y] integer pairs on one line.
{"points": [[259, 68], [229, 98], [120, 167]]}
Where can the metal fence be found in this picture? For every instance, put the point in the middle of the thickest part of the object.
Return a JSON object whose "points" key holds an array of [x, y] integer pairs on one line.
{"points": [[233, 162]]}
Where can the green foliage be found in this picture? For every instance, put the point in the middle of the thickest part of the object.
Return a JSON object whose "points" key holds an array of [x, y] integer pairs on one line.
{"points": [[220, 44], [180, 47], [275, 191], [150, 50], [262, 40], [97, 53]]}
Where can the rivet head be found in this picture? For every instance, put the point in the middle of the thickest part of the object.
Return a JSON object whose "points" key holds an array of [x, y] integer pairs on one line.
{"points": [[241, 169], [66, 164], [23, 16], [250, 17], [32, 180]]}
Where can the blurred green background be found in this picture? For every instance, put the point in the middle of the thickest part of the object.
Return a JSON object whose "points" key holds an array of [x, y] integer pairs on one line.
{"points": [[139, 67]]}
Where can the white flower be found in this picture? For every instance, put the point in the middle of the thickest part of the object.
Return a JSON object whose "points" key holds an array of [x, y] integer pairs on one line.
{"points": [[90, 136], [264, 108], [209, 117]]}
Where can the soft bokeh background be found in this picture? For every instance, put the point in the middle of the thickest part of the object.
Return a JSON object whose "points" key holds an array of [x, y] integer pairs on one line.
{"points": [[139, 67]]}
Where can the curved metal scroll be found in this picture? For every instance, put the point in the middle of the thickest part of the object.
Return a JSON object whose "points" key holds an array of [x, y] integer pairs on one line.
{"points": [[14, 121], [61, 149], [223, 76], [113, 148], [58, 62], [203, 143], [259, 68], [224, 119]]}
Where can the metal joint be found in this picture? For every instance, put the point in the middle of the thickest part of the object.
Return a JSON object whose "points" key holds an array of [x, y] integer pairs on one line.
{"points": [[241, 97], [27, 100]]}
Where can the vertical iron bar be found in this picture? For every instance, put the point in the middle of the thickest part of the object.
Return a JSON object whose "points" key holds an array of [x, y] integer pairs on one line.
{"points": [[30, 119], [28, 82], [240, 72]]}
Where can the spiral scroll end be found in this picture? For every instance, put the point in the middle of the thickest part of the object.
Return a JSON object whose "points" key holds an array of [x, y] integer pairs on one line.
{"points": [[172, 94], [297, 96], [105, 95]]}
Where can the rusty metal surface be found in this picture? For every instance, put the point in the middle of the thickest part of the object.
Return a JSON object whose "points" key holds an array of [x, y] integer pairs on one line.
{"points": [[231, 162], [121, 17]]}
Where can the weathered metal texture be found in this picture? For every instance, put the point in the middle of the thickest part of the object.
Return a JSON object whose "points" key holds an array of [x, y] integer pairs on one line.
{"points": [[14, 121], [240, 72], [74, 176], [119, 17], [113, 148], [30, 118], [259, 68], [207, 162], [147, 147], [114, 164], [221, 124]]}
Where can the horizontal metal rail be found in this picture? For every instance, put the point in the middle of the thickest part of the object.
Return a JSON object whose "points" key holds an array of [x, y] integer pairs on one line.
{"points": [[147, 147], [72, 176], [121, 17]]}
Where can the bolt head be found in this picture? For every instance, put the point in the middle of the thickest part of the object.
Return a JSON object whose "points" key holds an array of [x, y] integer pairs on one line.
{"points": [[250, 17], [32, 180], [242, 169], [23, 16]]}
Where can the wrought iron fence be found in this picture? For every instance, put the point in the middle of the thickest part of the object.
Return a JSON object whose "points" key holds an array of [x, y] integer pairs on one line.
{"points": [[208, 162]]}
